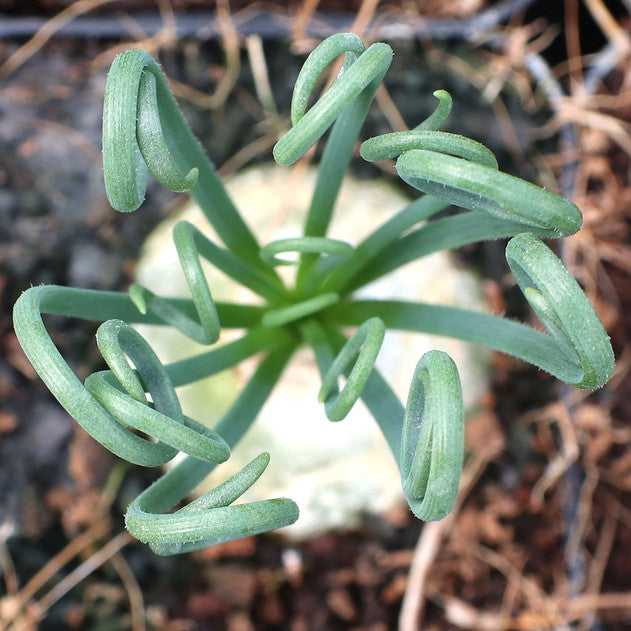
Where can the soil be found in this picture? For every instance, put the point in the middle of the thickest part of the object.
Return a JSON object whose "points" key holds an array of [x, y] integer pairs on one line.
{"points": [[540, 538]]}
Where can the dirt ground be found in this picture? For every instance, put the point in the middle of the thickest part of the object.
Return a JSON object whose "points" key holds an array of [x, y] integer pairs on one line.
{"points": [[541, 534]]}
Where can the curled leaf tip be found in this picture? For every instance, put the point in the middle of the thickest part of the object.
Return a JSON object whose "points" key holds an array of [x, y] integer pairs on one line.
{"points": [[138, 119], [364, 345], [361, 73], [432, 445], [440, 114], [191, 178], [479, 187], [563, 308], [137, 293]]}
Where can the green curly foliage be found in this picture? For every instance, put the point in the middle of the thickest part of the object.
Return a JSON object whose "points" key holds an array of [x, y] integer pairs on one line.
{"points": [[144, 131]]}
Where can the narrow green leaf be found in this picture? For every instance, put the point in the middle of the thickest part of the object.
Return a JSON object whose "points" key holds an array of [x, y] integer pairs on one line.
{"points": [[477, 187], [364, 345], [432, 446]]}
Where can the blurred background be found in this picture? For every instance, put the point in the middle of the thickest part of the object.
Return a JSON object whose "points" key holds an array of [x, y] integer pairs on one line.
{"points": [[541, 535]]}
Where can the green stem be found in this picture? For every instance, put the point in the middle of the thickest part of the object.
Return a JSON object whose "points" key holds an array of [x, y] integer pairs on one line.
{"points": [[204, 365], [97, 306], [372, 248], [446, 233]]}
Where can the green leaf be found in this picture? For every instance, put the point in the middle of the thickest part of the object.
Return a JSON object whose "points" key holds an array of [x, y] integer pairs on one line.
{"points": [[432, 446], [478, 187], [364, 344]]}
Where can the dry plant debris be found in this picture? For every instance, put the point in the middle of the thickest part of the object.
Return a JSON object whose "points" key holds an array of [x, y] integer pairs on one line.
{"points": [[504, 559]]}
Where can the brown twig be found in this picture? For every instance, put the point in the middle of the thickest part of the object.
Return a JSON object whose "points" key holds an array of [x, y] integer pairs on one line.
{"points": [[7, 566], [567, 454], [252, 150], [260, 75], [300, 42], [607, 23], [74, 547], [601, 556], [364, 16], [165, 37], [134, 592], [27, 50], [232, 47], [464, 616], [428, 546], [84, 570], [389, 109], [528, 587]]}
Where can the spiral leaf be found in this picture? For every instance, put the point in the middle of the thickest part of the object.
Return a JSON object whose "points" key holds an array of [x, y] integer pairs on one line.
{"points": [[208, 520], [577, 349], [563, 309], [392, 145], [436, 119], [133, 135], [66, 387], [362, 67], [144, 129], [191, 244], [465, 173], [153, 143], [313, 269], [366, 341], [348, 44], [163, 420], [432, 445], [206, 329], [113, 402], [429, 445], [478, 187]]}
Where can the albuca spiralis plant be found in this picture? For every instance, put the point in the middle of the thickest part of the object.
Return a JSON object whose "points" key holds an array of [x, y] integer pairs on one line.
{"points": [[143, 130]]}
